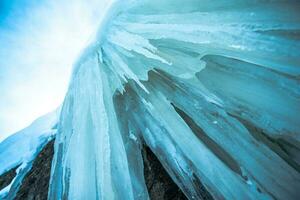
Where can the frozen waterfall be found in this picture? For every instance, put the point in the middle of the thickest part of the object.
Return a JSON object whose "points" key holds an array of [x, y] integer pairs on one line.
{"points": [[212, 87]]}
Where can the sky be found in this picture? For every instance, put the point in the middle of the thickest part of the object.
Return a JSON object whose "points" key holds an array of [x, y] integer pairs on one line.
{"points": [[39, 42]]}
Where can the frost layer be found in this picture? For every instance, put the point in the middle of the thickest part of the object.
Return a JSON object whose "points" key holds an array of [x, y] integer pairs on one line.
{"points": [[212, 87]]}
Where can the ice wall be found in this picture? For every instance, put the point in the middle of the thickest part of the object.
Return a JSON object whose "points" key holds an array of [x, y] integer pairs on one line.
{"points": [[212, 87]]}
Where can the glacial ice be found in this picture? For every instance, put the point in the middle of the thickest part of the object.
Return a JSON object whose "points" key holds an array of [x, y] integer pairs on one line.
{"points": [[212, 87]]}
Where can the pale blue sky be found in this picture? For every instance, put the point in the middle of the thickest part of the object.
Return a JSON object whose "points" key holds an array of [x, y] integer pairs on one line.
{"points": [[39, 41]]}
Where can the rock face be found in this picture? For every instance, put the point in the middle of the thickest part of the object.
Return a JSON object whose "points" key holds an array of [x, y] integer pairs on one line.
{"points": [[7, 177], [160, 185], [35, 184]]}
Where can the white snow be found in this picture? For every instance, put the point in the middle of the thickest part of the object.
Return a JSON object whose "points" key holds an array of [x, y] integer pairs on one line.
{"points": [[23, 145], [21, 148]]}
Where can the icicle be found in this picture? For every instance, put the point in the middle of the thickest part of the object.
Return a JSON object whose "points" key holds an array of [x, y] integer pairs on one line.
{"points": [[211, 87]]}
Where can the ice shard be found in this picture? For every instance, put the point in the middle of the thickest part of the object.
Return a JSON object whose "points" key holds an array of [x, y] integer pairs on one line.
{"points": [[212, 87]]}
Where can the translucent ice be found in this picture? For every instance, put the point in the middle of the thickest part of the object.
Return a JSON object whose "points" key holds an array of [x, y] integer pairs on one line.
{"points": [[212, 87]]}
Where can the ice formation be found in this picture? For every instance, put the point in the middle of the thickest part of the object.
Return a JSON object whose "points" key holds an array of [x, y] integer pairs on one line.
{"points": [[20, 149], [212, 87]]}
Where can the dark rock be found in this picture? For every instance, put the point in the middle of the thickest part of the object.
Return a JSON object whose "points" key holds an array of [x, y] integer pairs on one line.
{"points": [[159, 183], [36, 182], [7, 177]]}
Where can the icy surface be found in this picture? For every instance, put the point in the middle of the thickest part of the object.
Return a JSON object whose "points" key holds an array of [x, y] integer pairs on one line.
{"points": [[212, 87], [21, 148]]}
